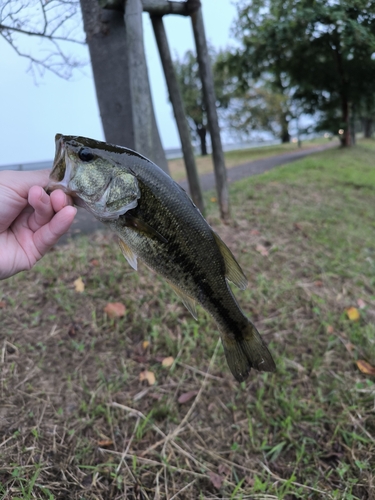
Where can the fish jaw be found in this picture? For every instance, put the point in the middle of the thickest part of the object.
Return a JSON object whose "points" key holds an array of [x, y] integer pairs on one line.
{"points": [[62, 173], [62, 169]]}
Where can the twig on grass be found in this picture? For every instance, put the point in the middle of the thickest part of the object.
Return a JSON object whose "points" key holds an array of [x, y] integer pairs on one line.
{"points": [[183, 489], [299, 485], [197, 399], [128, 446], [148, 461]]}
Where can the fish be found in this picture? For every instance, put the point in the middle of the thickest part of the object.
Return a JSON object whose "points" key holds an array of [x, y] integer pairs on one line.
{"points": [[157, 223]]}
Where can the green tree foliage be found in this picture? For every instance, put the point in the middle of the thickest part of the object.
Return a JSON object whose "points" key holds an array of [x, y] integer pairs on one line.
{"points": [[316, 52], [187, 72]]}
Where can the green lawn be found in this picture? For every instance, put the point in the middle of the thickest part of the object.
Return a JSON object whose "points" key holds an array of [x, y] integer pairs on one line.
{"points": [[76, 421]]}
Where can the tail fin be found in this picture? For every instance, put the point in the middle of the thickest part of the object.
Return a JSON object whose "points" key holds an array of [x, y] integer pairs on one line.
{"points": [[247, 350]]}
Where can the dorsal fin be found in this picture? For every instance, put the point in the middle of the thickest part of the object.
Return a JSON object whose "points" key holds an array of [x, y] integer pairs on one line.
{"points": [[233, 270]]}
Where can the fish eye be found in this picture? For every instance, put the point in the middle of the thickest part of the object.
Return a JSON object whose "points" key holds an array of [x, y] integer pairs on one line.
{"points": [[85, 154]]}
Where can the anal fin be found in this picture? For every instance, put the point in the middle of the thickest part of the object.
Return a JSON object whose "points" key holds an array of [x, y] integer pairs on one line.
{"points": [[128, 254], [189, 303]]}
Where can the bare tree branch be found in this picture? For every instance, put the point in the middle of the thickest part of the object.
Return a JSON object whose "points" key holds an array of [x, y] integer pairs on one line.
{"points": [[54, 22], [41, 34]]}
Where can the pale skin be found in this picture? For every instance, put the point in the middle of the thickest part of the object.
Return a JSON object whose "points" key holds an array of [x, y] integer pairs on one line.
{"points": [[31, 221]]}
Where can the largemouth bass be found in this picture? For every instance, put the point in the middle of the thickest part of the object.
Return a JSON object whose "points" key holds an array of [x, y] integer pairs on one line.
{"points": [[157, 222]]}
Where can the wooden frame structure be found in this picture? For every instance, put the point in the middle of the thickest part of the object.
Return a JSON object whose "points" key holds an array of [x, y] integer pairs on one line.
{"points": [[141, 102]]}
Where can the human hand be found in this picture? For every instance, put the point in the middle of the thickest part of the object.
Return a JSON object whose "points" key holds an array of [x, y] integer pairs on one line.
{"points": [[31, 221]]}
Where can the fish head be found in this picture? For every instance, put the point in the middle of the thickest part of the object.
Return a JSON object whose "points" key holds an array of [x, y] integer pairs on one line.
{"points": [[94, 176]]}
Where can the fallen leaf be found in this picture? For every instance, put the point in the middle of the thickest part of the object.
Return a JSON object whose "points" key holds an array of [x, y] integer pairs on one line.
{"points": [[149, 376], [249, 481], [105, 442], [79, 285], [330, 329], [86, 481], [216, 480], [223, 469], [365, 367], [352, 313], [349, 347], [3, 304], [186, 396], [300, 227], [361, 303], [168, 362], [115, 309], [213, 199], [145, 344], [262, 250], [140, 359], [73, 329], [155, 396], [94, 262]]}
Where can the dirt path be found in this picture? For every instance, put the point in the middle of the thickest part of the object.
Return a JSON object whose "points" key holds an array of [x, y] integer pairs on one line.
{"points": [[86, 223]]}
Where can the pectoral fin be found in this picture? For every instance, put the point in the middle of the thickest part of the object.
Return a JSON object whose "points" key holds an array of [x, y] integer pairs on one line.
{"points": [[233, 270], [128, 254], [141, 226], [189, 303]]}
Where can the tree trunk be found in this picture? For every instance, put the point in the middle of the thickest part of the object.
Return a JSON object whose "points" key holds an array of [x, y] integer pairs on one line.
{"points": [[202, 133], [346, 136], [284, 136], [205, 71], [367, 127], [352, 127]]}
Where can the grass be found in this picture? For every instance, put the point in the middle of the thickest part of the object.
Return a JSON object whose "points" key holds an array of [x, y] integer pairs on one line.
{"points": [[76, 421], [233, 158]]}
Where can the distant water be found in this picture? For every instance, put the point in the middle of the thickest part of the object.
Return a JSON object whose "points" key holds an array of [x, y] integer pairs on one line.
{"points": [[169, 153]]}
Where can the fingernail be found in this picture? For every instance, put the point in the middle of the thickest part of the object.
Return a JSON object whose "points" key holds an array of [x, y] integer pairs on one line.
{"points": [[44, 198]]}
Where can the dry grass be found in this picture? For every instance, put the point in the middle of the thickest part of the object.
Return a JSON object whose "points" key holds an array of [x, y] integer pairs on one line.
{"points": [[77, 423]]}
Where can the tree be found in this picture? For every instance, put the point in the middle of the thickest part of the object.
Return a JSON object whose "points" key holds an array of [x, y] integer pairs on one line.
{"points": [[258, 108], [319, 53], [187, 72]]}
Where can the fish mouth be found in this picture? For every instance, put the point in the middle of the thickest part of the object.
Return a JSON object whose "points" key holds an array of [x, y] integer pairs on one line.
{"points": [[62, 170]]}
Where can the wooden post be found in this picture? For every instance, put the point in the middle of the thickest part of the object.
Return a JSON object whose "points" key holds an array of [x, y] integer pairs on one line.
{"points": [[210, 101], [146, 136], [179, 112]]}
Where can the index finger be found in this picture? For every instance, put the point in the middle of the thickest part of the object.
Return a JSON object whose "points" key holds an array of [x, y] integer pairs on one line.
{"points": [[21, 182]]}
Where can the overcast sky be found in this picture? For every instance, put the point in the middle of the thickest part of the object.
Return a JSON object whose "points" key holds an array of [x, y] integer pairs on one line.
{"points": [[32, 114]]}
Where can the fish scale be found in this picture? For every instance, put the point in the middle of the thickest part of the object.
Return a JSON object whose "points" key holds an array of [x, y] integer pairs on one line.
{"points": [[157, 222]]}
